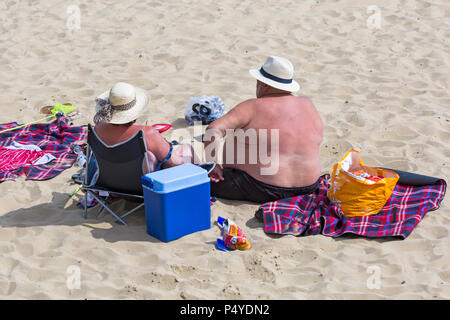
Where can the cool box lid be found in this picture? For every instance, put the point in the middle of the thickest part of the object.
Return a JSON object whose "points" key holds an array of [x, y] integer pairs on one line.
{"points": [[175, 178]]}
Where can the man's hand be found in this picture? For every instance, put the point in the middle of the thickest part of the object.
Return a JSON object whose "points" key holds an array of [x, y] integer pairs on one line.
{"points": [[216, 174]]}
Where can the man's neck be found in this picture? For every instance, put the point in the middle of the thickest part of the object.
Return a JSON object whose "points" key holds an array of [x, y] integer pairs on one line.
{"points": [[275, 94]]}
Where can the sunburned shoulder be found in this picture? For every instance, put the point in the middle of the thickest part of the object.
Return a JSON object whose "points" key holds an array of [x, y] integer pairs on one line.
{"points": [[255, 102], [300, 100], [304, 99], [246, 105], [99, 125], [248, 102]]}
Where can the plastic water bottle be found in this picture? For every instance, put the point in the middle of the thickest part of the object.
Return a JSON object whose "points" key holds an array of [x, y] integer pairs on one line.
{"points": [[81, 159]]}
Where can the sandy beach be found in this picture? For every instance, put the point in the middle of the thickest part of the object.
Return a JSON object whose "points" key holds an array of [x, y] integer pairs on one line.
{"points": [[380, 86]]}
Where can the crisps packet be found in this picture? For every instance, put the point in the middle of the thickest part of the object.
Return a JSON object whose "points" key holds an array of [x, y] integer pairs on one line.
{"points": [[233, 237]]}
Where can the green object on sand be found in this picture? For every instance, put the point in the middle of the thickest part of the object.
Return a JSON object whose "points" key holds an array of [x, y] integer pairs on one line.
{"points": [[64, 108], [58, 107], [75, 191]]}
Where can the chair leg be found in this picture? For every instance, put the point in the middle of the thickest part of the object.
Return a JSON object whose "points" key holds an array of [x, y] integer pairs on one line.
{"points": [[108, 209], [131, 211], [100, 211], [85, 204]]}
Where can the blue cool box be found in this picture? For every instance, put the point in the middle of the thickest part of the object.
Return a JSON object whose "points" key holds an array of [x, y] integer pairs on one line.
{"points": [[177, 201]]}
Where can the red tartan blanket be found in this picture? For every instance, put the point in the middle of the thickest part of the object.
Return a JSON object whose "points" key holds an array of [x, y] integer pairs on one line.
{"points": [[314, 213], [55, 138], [13, 159]]}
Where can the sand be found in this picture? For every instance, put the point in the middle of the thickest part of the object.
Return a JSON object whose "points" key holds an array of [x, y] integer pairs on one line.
{"points": [[382, 91]]}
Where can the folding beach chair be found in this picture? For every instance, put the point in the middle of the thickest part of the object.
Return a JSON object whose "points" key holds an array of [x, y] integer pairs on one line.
{"points": [[119, 171]]}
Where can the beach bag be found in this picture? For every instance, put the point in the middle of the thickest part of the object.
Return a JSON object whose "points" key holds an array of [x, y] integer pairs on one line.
{"points": [[359, 190], [204, 109]]}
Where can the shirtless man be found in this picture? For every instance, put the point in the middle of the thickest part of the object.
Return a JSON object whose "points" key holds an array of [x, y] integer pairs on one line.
{"points": [[116, 113], [294, 153]]}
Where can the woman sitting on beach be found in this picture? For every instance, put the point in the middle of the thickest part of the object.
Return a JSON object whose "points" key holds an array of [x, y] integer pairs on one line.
{"points": [[116, 112]]}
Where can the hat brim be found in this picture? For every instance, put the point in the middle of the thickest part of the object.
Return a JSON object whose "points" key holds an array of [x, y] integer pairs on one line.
{"points": [[291, 87], [126, 116]]}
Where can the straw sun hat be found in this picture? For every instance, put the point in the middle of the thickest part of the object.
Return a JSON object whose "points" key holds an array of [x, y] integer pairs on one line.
{"points": [[121, 104], [277, 72]]}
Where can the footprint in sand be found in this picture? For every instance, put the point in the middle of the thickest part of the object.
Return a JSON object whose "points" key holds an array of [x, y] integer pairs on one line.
{"points": [[332, 149], [388, 116], [256, 269], [298, 277], [6, 248], [445, 275], [7, 288], [356, 119], [37, 275], [7, 235], [25, 249], [8, 265], [404, 165], [388, 144], [72, 84], [402, 133], [184, 271], [434, 233]]}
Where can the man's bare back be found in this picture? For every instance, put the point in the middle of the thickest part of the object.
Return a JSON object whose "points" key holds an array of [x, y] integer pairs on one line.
{"points": [[292, 159], [300, 133]]}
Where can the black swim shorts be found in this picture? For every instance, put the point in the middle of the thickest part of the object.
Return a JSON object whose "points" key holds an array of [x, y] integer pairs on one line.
{"points": [[238, 185]]}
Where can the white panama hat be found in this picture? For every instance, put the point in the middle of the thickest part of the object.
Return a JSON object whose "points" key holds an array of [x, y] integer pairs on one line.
{"points": [[277, 72], [121, 104]]}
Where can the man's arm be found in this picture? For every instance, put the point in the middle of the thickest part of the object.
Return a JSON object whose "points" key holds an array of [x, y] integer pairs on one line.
{"points": [[238, 117]]}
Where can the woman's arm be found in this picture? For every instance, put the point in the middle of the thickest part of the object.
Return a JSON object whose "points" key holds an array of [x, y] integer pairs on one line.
{"points": [[161, 148]]}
